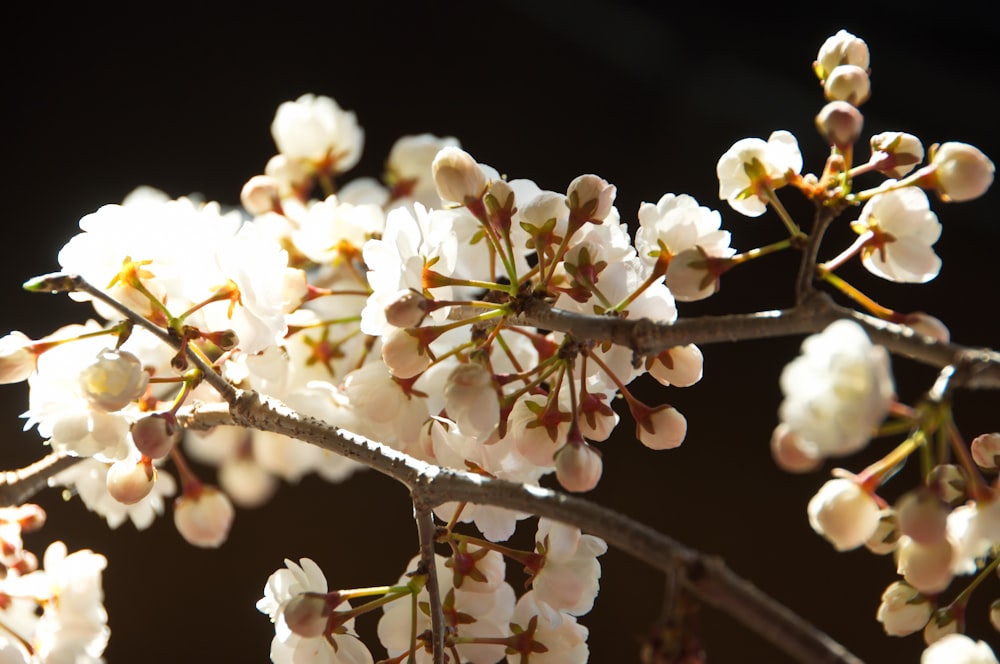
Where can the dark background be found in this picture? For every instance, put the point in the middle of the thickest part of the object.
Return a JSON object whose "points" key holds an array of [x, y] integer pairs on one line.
{"points": [[180, 96]]}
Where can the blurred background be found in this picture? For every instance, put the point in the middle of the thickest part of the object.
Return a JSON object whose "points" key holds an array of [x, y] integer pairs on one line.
{"points": [[180, 96]]}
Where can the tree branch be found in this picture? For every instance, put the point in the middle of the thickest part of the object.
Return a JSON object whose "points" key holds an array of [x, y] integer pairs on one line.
{"points": [[427, 532], [19, 486]]}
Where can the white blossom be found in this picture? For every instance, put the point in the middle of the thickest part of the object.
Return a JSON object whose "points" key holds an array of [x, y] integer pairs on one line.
{"points": [[844, 513], [751, 166], [958, 649], [837, 391], [315, 129], [903, 230]]}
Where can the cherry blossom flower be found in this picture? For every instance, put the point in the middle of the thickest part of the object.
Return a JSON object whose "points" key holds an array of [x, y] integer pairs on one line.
{"points": [[902, 229], [89, 480], [958, 649], [896, 153], [844, 513], [752, 167], [957, 171], [316, 130], [281, 591], [203, 517], [926, 567], [17, 360], [565, 640], [569, 578], [837, 391], [675, 224], [408, 168]]}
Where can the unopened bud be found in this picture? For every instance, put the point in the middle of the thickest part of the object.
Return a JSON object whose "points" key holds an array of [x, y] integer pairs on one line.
{"points": [[155, 434], [895, 153], [840, 124], [404, 354], [958, 172], [203, 517], [903, 610], [590, 198], [260, 195], [113, 380], [842, 48], [307, 615], [927, 325], [407, 310], [922, 516], [995, 614], [130, 480], [457, 176], [848, 83], [791, 453], [578, 466], [471, 400], [942, 623], [986, 451]]}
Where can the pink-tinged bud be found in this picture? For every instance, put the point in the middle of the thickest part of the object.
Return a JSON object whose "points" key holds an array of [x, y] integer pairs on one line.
{"points": [[922, 516], [155, 434], [590, 198], [261, 194], [848, 83], [246, 483], [404, 354], [203, 517], [885, 539], [895, 153], [681, 366], [842, 48], [925, 567], [791, 453], [840, 124], [958, 172], [942, 623], [407, 310], [457, 176], [903, 610], [844, 513], [927, 325], [307, 615], [470, 399], [130, 480], [113, 380], [17, 359], [986, 451], [949, 482], [578, 467], [663, 428]]}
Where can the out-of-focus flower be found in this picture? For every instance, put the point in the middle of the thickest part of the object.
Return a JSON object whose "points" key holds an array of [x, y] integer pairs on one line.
{"points": [[903, 609], [316, 130], [957, 171], [958, 649], [843, 48], [837, 391], [844, 513], [204, 517]]}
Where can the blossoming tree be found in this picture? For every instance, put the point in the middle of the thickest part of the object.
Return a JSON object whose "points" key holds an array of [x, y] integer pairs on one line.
{"points": [[476, 337]]}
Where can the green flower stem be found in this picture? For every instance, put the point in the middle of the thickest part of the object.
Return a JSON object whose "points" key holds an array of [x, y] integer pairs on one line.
{"points": [[844, 256], [978, 488], [963, 597], [873, 476], [759, 252], [525, 558], [772, 198]]}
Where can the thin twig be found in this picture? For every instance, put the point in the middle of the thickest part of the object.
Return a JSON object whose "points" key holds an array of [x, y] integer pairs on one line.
{"points": [[19, 486], [427, 532]]}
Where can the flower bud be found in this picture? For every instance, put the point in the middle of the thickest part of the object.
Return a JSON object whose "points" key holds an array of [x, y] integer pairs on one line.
{"points": [[407, 310], [922, 516], [949, 483], [471, 400], [203, 517], [995, 614], [663, 428], [590, 198], [681, 366], [113, 380], [958, 172], [578, 466], [790, 453], [155, 434], [17, 360], [457, 176], [986, 450], [848, 83], [130, 480], [927, 325], [903, 610], [895, 153], [844, 513], [925, 567], [842, 48], [942, 623], [404, 354], [885, 539], [840, 124], [307, 615], [261, 195]]}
